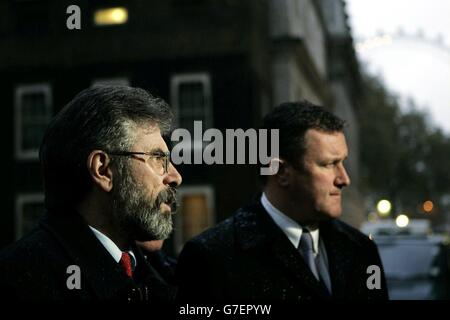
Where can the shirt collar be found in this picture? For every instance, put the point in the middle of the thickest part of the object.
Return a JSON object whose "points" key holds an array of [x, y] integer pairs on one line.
{"points": [[111, 247], [290, 227]]}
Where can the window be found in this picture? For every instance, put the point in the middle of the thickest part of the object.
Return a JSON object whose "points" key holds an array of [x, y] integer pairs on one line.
{"points": [[195, 214], [32, 115], [190, 95], [29, 209], [110, 16]]}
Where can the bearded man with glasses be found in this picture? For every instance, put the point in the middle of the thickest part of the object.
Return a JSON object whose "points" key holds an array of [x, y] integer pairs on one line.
{"points": [[108, 183]]}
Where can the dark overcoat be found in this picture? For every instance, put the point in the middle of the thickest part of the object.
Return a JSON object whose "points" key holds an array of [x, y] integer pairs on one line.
{"points": [[248, 258], [38, 267]]}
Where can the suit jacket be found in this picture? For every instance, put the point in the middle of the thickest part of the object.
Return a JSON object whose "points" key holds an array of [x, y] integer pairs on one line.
{"points": [[35, 267], [164, 264], [248, 257]]}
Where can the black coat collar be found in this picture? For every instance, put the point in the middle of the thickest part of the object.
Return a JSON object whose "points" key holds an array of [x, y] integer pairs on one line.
{"points": [[101, 273], [255, 228]]}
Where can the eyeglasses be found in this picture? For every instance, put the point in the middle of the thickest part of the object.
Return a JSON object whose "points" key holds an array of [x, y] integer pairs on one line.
{"points": [[162, 157]]}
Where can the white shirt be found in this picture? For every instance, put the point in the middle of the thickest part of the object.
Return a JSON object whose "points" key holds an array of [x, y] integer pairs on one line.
{"points": [[112, 248], [291, 228]]}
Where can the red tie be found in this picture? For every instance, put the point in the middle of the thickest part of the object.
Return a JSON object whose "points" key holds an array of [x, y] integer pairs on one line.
{"points": [[125, 262]]}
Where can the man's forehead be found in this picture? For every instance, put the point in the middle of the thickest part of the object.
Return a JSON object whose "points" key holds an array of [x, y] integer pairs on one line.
{"points": [[322, 134], [149, 137], [326, 142]]}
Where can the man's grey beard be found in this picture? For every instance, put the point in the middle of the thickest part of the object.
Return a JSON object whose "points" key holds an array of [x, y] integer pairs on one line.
{"points": [[137, 215]]}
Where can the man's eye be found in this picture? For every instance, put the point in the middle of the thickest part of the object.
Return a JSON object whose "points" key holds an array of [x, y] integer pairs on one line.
{"points": [[158, 155]]}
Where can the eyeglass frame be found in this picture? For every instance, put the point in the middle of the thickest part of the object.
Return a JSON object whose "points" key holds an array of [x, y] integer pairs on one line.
{"points": [[153, 154]]}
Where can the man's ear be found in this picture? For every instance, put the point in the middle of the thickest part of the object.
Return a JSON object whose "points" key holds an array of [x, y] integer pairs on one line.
{"points": [[283, 176], [98, 166]]}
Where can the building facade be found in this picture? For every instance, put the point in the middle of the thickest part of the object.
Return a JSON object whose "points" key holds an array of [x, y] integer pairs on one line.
{"points": [[222, 62]]}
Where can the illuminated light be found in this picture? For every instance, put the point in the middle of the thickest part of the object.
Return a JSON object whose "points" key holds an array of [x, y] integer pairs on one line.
{"points": [[428, 206], [111, 16], [402, 221], [384, 207]]}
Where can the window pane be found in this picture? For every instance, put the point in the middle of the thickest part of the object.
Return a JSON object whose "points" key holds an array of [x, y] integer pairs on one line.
{"points": [[195, 215], [35, 114], [192, 100]]}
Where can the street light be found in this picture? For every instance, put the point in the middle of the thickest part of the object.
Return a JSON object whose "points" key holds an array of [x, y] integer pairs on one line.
{"points": [[428, 206], [402, 221], [384, 207]]}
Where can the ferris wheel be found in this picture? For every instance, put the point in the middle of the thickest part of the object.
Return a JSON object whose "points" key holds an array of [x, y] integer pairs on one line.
{"points": [[434, 46], [412, 65]]}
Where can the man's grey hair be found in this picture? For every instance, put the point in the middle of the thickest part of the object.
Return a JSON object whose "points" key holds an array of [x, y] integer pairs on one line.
{"points": [[104, 118]]}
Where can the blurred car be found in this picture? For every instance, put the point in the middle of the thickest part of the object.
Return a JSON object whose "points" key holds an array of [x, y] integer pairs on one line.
{"points": [[416, 263]]}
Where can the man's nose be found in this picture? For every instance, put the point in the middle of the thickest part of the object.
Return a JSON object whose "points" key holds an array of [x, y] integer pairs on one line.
{"points": [[342, 178], [173, 177]]}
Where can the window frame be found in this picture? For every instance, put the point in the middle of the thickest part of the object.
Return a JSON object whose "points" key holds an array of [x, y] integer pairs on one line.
{"points": [[21, 200], [20, 91], [180, 78]]}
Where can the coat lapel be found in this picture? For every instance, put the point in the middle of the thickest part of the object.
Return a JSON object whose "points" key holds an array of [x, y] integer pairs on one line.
{"points": [[101, 274], [256, 228], [340, 256], [293, 261], [158, 288]]}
